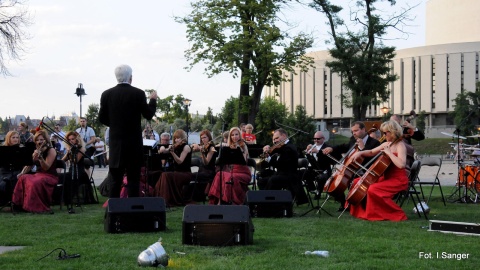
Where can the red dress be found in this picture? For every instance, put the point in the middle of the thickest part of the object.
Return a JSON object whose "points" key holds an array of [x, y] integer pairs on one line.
{"points": [[34, 191], [234, 193], [379, 204]]}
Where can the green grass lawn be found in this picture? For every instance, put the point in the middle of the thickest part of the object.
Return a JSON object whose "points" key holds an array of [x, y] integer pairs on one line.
{"points": [[278, 243]]}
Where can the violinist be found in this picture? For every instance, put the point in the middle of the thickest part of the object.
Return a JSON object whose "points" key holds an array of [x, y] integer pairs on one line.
{"points": [[206, 172], [379, 203], [75, 154], [33, 192], [282, 156], [409, 132], [170, 185], [361, 141], [230, 184]]}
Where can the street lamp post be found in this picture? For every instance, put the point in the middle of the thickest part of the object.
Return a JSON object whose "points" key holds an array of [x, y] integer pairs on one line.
{"points": [[187, 102], [385, 110], [80, 92]]}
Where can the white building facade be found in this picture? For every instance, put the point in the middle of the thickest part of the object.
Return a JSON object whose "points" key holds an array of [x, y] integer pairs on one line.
{"points": [[429, 77]]}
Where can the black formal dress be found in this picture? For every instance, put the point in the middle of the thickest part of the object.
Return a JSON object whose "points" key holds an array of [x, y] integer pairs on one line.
{"points": [[122, 108]]}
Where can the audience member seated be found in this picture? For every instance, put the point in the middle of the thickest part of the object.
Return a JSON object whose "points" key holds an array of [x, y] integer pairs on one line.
{"points": [[248, 136], [33, 192], [230, 184]]}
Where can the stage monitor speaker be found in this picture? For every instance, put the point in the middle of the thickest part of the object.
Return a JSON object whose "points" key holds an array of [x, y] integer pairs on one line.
{"points": [[217, 225], [270, 203], [135, 215]]}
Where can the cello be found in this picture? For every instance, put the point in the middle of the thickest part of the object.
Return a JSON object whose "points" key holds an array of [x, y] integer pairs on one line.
{"points": [[338, 182], [358, 192]]}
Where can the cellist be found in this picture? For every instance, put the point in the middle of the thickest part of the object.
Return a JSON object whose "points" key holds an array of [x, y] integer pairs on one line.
{"points": [[379, 203], [361, 140]]}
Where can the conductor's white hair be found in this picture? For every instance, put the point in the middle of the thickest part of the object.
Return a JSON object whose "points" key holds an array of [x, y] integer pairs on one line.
{"points": [[123, 73]]}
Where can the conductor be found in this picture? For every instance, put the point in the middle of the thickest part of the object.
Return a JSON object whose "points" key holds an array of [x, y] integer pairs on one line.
{"points": [[121, 108]]}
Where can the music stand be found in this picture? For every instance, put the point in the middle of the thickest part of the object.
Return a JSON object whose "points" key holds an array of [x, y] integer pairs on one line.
{"points": [[16, 156], [318, 173], [229, 156], [12, 157]]}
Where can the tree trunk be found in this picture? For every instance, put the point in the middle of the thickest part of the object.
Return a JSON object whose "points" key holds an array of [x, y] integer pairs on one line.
{"points": [[255, 104]]}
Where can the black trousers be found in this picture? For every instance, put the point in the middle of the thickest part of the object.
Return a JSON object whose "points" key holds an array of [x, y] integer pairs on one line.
{"points": [[133, 176]]}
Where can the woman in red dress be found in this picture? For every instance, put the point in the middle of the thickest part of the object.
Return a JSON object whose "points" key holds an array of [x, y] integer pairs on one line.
{"points": [[379, 203], [231, 181], [33, 192]]}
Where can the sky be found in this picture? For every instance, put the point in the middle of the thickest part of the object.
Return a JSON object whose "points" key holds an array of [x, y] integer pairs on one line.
{"points": [[74, 42]]}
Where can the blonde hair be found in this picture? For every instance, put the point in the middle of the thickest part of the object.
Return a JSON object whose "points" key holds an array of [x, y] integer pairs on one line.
{"points": [[240, 142], [392, 126], [8, 138]]}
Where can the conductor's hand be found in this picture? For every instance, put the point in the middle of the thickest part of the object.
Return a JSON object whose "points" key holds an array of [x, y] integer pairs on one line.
{"points": [[153, 95]]}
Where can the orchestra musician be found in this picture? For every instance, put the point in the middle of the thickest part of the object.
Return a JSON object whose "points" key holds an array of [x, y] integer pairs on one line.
{"points": [[25, 135], [282, 156], [33, 192], [359, 139], [208, 154], [231, 181], [319, 162], [170, 185], [71, 185], [409, 132], [379, 203], [8, 173]]}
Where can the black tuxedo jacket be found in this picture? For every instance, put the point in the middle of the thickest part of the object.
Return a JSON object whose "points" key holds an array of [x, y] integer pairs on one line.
{"points": [[285, 159], [122, 108], [323, 162]]}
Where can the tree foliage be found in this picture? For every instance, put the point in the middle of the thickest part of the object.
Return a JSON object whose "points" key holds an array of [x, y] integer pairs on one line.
{"points": [[14, 17], [241, 37], [361, 59], [92, 118], [271, 112], [466, 114], [301, 121]]}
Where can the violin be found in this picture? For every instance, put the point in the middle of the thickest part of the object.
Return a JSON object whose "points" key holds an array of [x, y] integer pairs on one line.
{"points": [[277, 145], [205, 148], [408, 132]]}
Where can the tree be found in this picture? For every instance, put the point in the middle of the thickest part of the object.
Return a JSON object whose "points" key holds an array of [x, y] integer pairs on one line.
{"points": [[361, 59], [71, 125], [13, 18], [466, 113], [242, 37], [301, 121], [420, 122], [271, 111], [228, 115], [92, 118]]}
